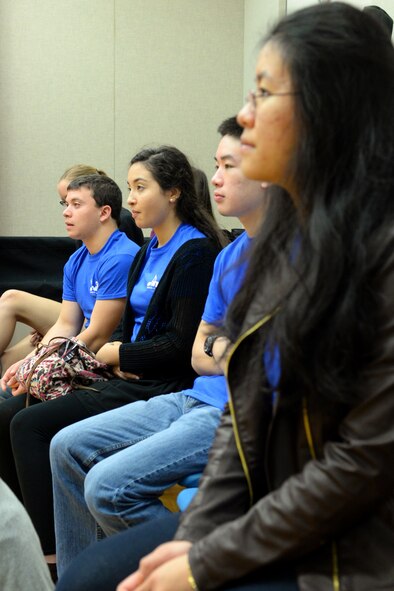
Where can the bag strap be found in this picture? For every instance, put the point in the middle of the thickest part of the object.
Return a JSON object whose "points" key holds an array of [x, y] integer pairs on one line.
{"points": [[75, 343], [50, 349]]}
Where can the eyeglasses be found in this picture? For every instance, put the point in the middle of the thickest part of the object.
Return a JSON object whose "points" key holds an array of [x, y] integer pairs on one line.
{"points": [[253, 95]]}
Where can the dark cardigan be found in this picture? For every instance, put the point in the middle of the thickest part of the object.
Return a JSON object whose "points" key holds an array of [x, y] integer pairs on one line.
{"points": [[163, 345], [161, 354]]}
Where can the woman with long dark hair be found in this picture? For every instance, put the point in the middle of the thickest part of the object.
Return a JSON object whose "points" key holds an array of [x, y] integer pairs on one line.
{"points": [[298, 491]]}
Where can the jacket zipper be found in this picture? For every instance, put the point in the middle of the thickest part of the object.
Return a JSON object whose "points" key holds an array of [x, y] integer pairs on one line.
{"points": [[231, 405], [312, 451]]}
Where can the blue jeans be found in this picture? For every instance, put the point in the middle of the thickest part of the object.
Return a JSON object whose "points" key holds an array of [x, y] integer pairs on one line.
{"points": [[111, 469]]}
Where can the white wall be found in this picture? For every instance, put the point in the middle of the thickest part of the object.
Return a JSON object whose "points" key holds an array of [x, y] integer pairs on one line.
{"points": [[92, 81], [259, 17]]}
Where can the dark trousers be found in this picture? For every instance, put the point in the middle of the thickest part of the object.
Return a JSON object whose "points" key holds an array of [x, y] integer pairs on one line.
{"points": [[25, 437], [104, 564]]}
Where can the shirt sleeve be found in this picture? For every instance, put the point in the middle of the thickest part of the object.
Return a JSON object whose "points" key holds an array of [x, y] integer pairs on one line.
{"points": [[215, 305], [112, 276], [68, 282]]}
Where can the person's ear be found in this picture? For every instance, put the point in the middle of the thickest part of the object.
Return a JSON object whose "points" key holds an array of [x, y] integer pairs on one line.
{"points": [[106, 211], [173, 194]]}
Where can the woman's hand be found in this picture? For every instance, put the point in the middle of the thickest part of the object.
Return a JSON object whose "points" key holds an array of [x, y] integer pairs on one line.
{"points": [[124, 375], [164, 569], [109, 353], [9, 380], [35, 338]]}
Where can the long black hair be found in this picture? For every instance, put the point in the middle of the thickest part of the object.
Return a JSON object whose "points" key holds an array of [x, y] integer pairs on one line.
{"points": [[317, 264], [171, 169]]}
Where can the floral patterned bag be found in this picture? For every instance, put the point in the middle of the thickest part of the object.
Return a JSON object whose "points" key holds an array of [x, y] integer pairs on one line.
{"points": [[60, 366]]}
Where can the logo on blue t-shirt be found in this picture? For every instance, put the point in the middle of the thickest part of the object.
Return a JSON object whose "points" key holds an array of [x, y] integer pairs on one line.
{"points": [[153, 283], [93, 288]]}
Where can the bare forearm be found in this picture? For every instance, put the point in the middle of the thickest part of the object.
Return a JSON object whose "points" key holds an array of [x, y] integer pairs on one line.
{"points": [[105, 318], [205, 365], [60, 329], [109, 353], [92, 338]]}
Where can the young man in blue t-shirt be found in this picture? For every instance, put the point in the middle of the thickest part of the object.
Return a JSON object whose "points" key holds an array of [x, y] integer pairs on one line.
{"points": [[95, 276], [120, 462]]}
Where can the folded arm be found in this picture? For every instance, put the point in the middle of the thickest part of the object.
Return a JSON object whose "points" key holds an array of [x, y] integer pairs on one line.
{"points": [[202, 363]]}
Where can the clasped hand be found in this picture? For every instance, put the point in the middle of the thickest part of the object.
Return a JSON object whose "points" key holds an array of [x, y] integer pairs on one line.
{"points": [[109, 354], [9, 380], [164, 569]]}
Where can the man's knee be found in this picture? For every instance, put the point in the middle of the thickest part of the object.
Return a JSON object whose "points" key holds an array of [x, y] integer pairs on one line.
{"points": [[97, 492], [61, 446]]}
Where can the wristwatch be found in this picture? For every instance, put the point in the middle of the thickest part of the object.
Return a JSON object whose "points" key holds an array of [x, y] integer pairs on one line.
{"points": [[208, 345]]}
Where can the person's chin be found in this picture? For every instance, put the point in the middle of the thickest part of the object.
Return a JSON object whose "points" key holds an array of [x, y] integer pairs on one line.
{"points": [[136, 215], [73, 233], [223, 209]]}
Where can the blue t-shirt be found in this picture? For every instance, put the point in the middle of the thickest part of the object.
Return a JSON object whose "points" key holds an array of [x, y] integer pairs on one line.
{"points": [[228, 273], [100, 276], [155, 264]]}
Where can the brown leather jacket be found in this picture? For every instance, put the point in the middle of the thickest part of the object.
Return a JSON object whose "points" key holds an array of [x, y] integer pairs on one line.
{"points": [[309, 487]]}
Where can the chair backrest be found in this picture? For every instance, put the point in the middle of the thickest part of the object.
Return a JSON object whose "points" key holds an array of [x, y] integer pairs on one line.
{"points": [[34, 264]]}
